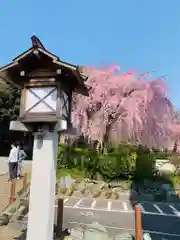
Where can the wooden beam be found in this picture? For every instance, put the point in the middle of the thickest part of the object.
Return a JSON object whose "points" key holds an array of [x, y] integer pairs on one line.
{"points": [[6, 67], [29, 51], [71, 67], [64, 64], [48, 54]]}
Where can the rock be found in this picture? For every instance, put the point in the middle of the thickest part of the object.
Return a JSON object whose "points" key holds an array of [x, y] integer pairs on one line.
{"points": [[95, 190], [77, 234], [115, 194], [90, 187], [4, 219], [61, 183], [63, 190], [95, 231], [65, 182], [70, 191], [115, 183], [108, 193], [124, 236], [102, 186], [87, 180], [95, 181], [118, 189], [96, 193], [69, 238], [99, 177], [167, 168], [146, 236], [80, 189]]}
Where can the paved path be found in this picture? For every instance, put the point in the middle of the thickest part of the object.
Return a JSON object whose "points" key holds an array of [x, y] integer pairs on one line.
{"points": [[6, 233], [3, 165], [5, 186]]}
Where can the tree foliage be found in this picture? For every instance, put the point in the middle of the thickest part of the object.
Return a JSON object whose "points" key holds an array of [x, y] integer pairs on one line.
{"points": [[9, 104], [122, 161], [125, 107]]}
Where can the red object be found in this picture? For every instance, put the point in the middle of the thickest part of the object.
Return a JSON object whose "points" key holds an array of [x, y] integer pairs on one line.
{"points": [[138, 222], [25, 182], [12, 191]]}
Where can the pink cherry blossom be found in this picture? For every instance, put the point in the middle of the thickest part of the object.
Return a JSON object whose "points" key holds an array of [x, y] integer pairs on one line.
{"points": [[125, 107]]}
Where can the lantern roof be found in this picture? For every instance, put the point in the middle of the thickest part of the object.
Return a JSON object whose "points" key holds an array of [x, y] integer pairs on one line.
{"points": [[38, 57]]}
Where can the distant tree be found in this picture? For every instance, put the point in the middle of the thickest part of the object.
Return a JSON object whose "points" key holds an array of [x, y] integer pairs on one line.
{"points": [[9, 104], [125, 107]]}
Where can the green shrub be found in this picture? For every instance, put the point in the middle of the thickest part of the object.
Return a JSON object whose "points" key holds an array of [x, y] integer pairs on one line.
{"points": [[145, 164], [118, 162], [122, 161]]}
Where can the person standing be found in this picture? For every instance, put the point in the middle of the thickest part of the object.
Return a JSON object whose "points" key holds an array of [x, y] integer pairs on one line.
{"points": [[13, 162], [21, 156]]}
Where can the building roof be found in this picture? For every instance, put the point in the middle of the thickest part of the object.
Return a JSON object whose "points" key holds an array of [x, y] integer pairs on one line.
{"points": [[36, 50]]}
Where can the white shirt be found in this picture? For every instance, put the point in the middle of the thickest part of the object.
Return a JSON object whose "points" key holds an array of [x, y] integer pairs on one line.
{"points": [[13, 155]]}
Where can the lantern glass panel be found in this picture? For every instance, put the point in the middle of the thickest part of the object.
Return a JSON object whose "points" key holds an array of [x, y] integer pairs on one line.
{"points": [[41, 99]]}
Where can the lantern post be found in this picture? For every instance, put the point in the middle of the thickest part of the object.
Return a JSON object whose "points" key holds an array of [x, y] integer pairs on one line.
{"points": [[46, 85]]}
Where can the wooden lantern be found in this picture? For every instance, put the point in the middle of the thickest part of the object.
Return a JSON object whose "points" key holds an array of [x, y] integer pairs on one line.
{"points": [[47, 84], [45, 101]]}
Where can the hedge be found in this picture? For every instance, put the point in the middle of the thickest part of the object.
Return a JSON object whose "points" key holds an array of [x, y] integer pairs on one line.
{"points": [[123, 161]]}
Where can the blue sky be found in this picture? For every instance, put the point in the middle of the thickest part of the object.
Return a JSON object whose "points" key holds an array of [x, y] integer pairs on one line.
{"points": [[139, 34]]}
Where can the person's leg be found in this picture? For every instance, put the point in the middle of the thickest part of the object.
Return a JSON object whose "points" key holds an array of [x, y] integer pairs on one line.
{"points": [[15, 169], [10, 171], [20, 169]]}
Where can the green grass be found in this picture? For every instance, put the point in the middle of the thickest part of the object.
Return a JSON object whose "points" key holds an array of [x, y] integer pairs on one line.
{"points": [[73, 172]]}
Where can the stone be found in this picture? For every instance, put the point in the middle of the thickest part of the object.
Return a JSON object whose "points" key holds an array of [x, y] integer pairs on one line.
{"points": [[108, 193], [63, 190], [124, 236], [115, 194], [99, 177], [4, 219], [167, 168], [118, 189], [61, 183], [65, 182], [96, 194], [80, 189], [70, 191], [95, 190], [77, 234], [89, 187], [146, 236], [115, 183], [95, 181], [95, 231], [103, 185], [87, 180]]}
